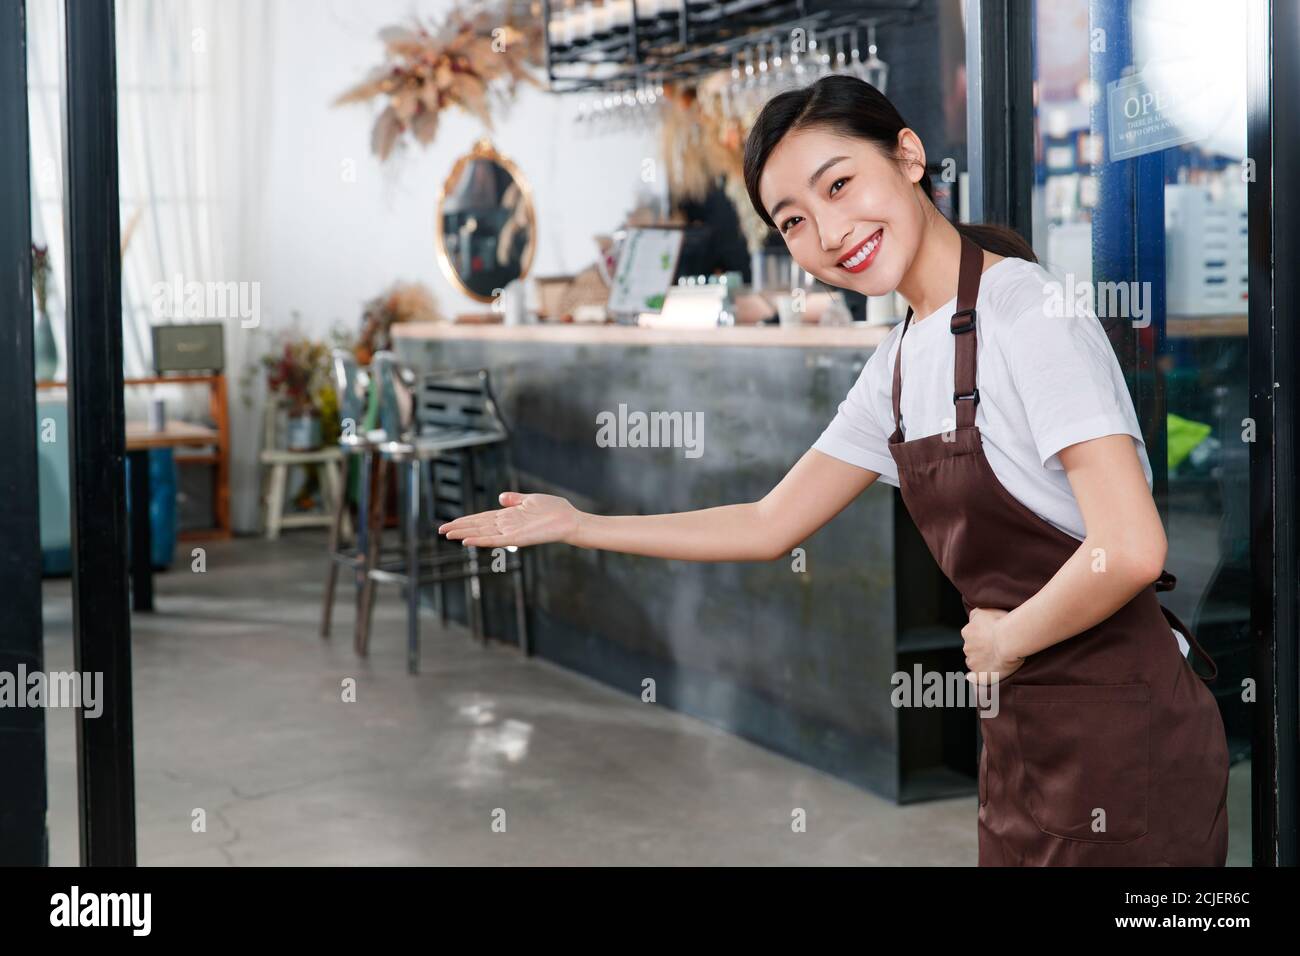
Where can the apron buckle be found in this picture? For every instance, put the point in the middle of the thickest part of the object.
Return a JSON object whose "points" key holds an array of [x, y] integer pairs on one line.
{"points": [[972, 395], [958, 328]]}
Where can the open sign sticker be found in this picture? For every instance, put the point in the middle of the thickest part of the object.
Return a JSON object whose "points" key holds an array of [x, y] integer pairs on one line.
{"points": [[1145, 119]]}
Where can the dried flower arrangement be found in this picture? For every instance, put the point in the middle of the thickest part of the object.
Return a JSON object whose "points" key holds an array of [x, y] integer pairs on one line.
{"points": [[403, 302], [298, 370], [298, 373], [480, 51]]}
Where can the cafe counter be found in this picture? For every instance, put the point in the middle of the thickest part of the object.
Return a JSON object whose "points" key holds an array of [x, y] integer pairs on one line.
{"points": [[798, 654]]}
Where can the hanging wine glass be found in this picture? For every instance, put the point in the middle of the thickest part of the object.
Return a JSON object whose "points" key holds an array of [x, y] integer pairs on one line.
{"points": [[764, 79], [605, 112], [874, 70], [821, 57], [770, 80], [730, 90], [651, 106], [654, 105], [749, 91], [780, 67], [628, 114]]}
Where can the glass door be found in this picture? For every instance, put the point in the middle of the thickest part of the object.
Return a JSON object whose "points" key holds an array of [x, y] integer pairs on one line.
{"points": [[1135, 198]]}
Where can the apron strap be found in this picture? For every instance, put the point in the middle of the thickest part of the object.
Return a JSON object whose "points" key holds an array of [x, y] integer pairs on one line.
{"points": [[965, 395], [1167, 582], [1195, 645], [898, 380]]}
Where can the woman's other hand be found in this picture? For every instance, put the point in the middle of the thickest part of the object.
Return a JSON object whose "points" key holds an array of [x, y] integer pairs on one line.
{"points": [[522, 520], [984, 656]]}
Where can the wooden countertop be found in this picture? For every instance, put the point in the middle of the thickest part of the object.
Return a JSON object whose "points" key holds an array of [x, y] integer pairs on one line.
{"points": [[569, 333], [177, 434], [858, 335]]}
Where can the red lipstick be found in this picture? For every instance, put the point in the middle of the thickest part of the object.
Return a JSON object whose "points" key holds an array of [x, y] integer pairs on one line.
{"points": [[872, 242]]}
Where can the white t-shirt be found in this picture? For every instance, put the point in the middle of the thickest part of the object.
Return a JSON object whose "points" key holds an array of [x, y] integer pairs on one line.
{"points": [[1046, 380]]}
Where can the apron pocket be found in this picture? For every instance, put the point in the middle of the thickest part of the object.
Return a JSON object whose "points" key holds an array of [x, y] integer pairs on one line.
{"points": [[1085, 750]]}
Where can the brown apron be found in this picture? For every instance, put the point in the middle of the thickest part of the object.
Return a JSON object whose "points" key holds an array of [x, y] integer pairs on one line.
{"points": [[1107, 749]]}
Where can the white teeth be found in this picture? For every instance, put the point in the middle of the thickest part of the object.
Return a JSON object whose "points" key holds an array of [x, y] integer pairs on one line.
{"points": [[866, 251]]}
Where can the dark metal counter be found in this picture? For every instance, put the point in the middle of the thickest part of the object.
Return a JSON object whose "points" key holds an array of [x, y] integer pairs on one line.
{"points": [[799, 661]]}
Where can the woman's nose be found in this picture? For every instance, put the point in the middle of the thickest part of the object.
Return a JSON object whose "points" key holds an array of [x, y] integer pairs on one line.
{"points": [[834, 235]]}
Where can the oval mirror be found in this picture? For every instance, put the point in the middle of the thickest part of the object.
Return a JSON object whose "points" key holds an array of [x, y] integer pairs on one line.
{"points": [[486, 230]]}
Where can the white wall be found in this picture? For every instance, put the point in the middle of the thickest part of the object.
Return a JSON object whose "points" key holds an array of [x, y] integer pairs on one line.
{"points": [[330, 244]]}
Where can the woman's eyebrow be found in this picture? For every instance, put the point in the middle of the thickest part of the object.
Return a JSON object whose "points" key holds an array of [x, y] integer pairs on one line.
{"points": [[812, 181]]}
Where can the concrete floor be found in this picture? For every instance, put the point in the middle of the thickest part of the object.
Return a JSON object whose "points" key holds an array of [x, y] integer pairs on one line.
{"points": [[238, 712]]}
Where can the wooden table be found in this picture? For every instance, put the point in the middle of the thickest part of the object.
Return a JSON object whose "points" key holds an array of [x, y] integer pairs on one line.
{"points": [[218, 458], [140, 440]]}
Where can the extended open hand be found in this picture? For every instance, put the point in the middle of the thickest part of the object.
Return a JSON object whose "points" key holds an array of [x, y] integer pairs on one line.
{"points": [[522, 520]]}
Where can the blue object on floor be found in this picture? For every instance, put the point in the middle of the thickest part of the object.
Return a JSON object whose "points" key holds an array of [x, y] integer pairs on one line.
{"points": [[52, 470], [162, 506], [52, 465]]}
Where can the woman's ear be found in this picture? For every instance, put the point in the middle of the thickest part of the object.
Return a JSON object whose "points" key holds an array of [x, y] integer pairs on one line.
{"points": [[912, 154]]}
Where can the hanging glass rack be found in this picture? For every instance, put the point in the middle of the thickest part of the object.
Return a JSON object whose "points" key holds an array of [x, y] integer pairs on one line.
{"points": [[685, 40]]}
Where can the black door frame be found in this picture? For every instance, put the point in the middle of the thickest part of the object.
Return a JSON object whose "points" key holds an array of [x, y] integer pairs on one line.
{"points": [[1273, 207], [1000, 113], [23, 798], [101, 618], [1000, 121], [95, 441]]}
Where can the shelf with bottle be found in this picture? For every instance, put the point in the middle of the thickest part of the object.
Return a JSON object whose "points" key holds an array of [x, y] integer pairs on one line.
{"points": [[682, 40], [581, 31]]}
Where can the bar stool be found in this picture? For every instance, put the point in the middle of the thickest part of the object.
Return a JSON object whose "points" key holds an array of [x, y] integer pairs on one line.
{"points": [[444, 422], [352, 384]]}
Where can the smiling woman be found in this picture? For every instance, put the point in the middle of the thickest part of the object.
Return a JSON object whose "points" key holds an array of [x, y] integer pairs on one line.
{"points": [[1031, 487]]}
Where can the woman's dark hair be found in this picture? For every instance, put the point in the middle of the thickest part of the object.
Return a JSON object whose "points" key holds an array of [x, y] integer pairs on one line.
{"points": [[851, 107]]}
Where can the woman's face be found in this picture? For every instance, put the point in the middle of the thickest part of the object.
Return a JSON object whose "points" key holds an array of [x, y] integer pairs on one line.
{"points": [[849, 213]]}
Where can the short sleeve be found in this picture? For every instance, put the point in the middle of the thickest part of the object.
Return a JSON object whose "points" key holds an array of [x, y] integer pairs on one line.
{"points": [[1069, 381], [857, 434]]}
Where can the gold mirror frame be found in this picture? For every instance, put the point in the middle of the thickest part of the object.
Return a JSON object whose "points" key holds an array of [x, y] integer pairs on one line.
{"points": [[483, 149]]}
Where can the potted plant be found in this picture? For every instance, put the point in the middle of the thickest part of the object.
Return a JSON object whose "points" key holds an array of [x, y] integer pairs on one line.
{"points": [[297, 371], [294, 375]]}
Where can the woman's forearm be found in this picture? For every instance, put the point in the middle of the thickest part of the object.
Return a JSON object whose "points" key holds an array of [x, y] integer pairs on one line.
{"points": [[1080, 595], [724, 533]]}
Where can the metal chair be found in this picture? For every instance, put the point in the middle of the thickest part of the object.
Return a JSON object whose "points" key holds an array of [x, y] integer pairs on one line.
{"points": [[444, 422], [352, 384]]}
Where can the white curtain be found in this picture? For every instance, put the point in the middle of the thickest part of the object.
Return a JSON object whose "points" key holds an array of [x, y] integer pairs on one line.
{"points": [[193, 117], [45, 94]]}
